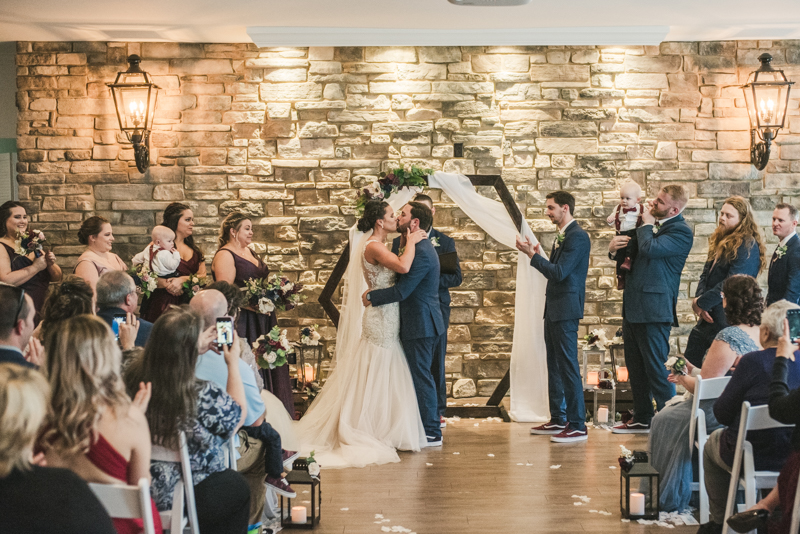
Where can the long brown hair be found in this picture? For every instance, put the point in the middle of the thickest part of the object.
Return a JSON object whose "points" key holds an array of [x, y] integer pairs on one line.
{"points": [[71, 297], [82, 366], [5, 214], [168, 362], [172, 215], [233, 221], [724, 244]]}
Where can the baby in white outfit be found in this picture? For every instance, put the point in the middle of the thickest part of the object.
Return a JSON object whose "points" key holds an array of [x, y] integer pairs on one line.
{"points": [[160, 254], [626, 218]]}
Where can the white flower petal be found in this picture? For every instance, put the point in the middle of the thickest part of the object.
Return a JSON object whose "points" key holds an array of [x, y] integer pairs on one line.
{"points": [[555, 466]]}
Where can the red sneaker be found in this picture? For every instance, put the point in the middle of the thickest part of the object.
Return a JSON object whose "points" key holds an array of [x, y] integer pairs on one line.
{"points": [[631, 427], [442, 422], [548, 429], [568, 435]]}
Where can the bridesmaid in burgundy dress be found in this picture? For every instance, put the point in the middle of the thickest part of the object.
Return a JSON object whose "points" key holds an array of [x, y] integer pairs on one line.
{"points": [[28, 272], [236, 263], [180, 219]]}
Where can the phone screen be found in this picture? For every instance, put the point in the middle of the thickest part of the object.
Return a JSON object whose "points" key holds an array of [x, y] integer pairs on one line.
{"points": [[118, 319], [224, 331], [794, 324]]}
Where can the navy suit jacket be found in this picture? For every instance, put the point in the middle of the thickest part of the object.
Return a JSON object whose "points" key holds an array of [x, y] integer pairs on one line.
{"points": [[107, 314], [709, 289], [12, 356], [566, 275], [784, 274], [418, 294], [651, 288], [446, 281]]}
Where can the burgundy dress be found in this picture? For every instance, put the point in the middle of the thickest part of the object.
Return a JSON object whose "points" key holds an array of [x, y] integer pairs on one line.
{"points": [[37, 286], [161, 299], [253, 325]]}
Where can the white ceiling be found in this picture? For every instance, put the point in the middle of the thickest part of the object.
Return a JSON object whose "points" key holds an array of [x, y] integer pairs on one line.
{"points": [[354, 22]]}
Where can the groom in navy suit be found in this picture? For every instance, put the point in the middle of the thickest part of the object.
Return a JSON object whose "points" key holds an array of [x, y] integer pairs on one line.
{"points": [[421, 321], [442, 244], [563, 309], [784, 267]]}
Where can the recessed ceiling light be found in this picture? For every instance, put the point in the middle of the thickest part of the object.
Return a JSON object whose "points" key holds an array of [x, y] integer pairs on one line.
{"points": [[489, 3]]}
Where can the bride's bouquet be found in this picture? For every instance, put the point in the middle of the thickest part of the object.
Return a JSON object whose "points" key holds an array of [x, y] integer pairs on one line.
{"points": [[193, 285], [146, 280], [264, 295], [271, 349], [30, 241]]}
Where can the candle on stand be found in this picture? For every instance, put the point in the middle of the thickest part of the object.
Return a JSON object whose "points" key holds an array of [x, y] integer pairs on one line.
{"points": [[594, 378], [637, 504], [622, 374], [299, 513], [602, 414]]}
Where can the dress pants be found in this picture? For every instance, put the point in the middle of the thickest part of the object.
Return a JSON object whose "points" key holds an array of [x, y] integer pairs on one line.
{"points": [[565, 388], [223, 503], [258, 458], [420, 355], [646, 351], [437, 370], [717, 477]]}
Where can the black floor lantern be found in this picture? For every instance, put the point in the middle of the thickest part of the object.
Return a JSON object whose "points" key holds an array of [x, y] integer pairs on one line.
{"points": [[299, 478], [635, 505]]}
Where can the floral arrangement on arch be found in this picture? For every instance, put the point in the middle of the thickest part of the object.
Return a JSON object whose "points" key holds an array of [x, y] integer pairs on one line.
{"points": [[271, 349], [596, 338], [193, 285], [309, 336], [265, 295], [146, 280], [389, 183], [30, 241]]}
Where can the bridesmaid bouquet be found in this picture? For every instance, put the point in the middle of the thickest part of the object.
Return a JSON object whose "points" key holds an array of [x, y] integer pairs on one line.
{"points": [[193, 285], [264, 295], [30, 241], [146, 280], [271, 349], [676, 365]]}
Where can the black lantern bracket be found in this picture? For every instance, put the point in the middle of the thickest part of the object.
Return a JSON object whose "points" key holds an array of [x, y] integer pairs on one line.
{"points": [[767, 97], [135, 97]]}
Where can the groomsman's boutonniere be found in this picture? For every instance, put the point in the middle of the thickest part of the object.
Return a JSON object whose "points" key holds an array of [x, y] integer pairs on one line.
{"points": [[559, 240], [435, 241], [780, 251], [656, 227]]}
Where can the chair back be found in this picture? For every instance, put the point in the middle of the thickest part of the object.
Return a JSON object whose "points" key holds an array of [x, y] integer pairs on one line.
{"points": [[184, 489], [704, 389], [127, 502], [230, 453]]}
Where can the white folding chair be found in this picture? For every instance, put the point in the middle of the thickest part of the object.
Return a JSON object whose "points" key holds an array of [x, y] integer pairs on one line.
{"points": [[230, 453], [175, 520], [127, 502], [752, 481], [708, 389]]}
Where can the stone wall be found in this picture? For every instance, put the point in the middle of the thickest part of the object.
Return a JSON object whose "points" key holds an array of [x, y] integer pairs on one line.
{"points": [[288, 135]]}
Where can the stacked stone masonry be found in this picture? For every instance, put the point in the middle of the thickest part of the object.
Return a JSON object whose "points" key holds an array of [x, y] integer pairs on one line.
{"points": [[288, 135]]}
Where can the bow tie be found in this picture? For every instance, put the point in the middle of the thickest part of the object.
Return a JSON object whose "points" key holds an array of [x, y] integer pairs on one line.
{"points": [[629, 210]]}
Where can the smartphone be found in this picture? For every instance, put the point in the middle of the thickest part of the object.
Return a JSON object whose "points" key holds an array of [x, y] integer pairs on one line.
{"points": [[224, 331], [119, 318], [794, 324]]}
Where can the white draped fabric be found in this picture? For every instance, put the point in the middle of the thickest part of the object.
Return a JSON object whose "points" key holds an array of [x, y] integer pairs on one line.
{"points": [[529, 402]]}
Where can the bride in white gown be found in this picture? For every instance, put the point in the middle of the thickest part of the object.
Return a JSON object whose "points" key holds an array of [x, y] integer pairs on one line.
{"points": [[367, 408]]}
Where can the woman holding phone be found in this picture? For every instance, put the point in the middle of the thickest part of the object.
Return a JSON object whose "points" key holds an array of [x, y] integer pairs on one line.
{"points": [[236, 263]]}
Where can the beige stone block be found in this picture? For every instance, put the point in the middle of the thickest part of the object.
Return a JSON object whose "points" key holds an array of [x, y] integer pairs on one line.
{"points": [[71, 59], [325, 67], [394, 54], [362, 116], [422, 71], [48, 143], [439, 54], [720, 155], [80, 122], [650, 114], [735, 141], [201, 117], [788, 152], [732, 171], [415, 127], [43, 104], [419, 114], [202, 67], [530, 114], [123, 192], [487, 63], [723, 123], [320, 53], [332, 91], [666, 150], [214, 102], [289, 92], [279, 111], [652, 63], [641, 81], [566, 146], [172, 50], [168, 192], [666, 132], [462, 87], [86, 106], [276, 63], [285, 75], [400, 87], [243, 117], [371, 102], [105, 152], [213, 139], [585, 56], [680, 100], [517, 91], [317, 129], [560, 73]]}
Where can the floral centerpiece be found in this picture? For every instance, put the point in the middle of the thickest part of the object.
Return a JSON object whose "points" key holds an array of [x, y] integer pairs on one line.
{"points": [[596, 339], [193, 285], [265, 295], [676, 365], [146, 280], [313, 465], [271, 349], [389, 183], [30, 241], [309, 336], [625, 458]]}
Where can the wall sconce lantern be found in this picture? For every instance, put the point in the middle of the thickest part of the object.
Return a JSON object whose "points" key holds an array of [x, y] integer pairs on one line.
{"points": [[135, 98], [767, 97]]}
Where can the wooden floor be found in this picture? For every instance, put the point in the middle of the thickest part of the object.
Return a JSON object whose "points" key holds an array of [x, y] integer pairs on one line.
{"points": [[475, 483]]}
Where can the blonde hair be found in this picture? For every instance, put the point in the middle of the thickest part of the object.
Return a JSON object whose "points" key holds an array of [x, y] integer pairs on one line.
{"points": [[233, 221], [631, 185], [725, 244], [162, 232], [772, 318], [83, 367], [23, 408]]}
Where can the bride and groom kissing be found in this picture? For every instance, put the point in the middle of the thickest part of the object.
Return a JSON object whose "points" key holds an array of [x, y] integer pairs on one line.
{"points": [[386, 395]]}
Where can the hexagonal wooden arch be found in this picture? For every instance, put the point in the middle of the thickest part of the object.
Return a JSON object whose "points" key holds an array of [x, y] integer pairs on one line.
{"points": [[493, 407]]}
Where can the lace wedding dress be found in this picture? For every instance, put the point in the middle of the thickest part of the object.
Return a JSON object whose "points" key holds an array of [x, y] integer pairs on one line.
{"points": [[367, 408]]}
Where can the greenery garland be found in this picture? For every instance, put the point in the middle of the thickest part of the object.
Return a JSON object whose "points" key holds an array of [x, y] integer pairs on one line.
{"points": [[389, 183]]}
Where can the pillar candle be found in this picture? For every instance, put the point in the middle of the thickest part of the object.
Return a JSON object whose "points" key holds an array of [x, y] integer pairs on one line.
{"points": [[602, 414], [299, 513], [622, 374], [637, 504], [593, 378]]}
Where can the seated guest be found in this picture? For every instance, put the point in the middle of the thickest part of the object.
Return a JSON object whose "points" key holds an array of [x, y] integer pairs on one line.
{"points": [[209, 414], [116, 294], [669, 431], [261, 459], [34, 498], [95, 429], [73, 296], [16, 328], [750, 382], [784, 407]]}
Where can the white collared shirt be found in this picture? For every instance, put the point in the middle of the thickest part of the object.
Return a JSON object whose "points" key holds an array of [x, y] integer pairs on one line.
{"points": [[786, 239], [562, 230], [11, 347]]}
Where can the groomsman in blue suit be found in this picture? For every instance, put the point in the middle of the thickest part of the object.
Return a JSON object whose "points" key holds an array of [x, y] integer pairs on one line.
{"points": [[784, 268], [421, 321], [442, 244], [566, 291], [650, 300]]}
